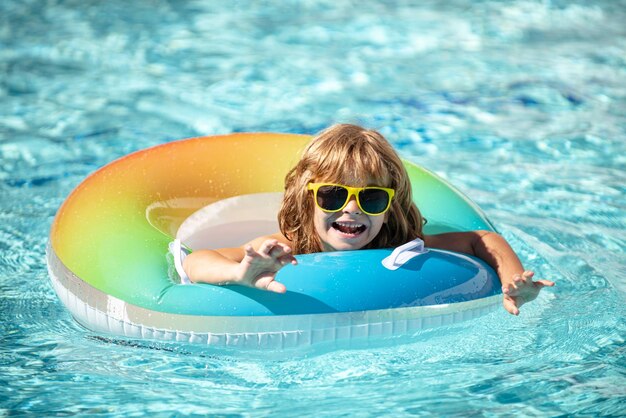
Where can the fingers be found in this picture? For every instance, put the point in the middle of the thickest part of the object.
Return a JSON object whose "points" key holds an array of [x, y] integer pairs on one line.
{"points": [[278, 251], [522, 290], [288, 259], [267, 246], [281, 250], [512, 288], [523, 280], [545, 283], [286, 248], [276, 287], [520, 281], [510, 306], [249, 250], [268, 283], [273, 248]]}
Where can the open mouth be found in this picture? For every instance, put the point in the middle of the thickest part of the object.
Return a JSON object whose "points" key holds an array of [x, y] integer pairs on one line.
{"points": [[349, 228]]}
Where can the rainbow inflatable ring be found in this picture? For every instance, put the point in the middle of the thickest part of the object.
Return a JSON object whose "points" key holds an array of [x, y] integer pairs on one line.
{"points": [[110, 264]]}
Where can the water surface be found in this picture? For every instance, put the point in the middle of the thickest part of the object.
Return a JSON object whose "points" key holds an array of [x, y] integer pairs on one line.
{"points": [[520, 104]]}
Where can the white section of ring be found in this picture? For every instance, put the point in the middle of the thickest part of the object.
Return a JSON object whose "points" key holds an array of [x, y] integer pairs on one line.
{"points": [[231, 222]]}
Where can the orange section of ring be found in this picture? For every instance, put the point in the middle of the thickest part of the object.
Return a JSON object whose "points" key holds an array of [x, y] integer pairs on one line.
{"points": [[125, 213]]}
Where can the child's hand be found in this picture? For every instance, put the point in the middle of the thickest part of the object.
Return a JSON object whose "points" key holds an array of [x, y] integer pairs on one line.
{"points": [[258, 269], [522, 290]]}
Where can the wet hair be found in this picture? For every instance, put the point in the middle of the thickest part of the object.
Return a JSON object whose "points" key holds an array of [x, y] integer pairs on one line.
{"points": [[351, 155]]}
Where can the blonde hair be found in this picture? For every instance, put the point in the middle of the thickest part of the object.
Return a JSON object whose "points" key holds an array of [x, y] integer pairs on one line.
{"points": [[350, 155]]}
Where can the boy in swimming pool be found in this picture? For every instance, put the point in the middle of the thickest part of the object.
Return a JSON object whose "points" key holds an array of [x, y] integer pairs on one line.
{"points": [[350, 191]]}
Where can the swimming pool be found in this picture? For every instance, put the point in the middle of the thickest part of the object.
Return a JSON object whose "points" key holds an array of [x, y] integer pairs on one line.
{"points": [[520, 104]]}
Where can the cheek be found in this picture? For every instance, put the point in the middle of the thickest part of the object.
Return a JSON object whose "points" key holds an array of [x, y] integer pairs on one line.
{"points": [[319, 220], [317, 224], [377, 224]]}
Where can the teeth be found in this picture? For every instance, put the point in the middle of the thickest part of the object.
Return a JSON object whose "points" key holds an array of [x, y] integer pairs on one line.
{"points": [[349, 224], [349, 227]]}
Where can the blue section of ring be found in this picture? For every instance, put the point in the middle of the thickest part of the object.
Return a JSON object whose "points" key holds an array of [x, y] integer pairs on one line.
{"points": [[345, 282]]}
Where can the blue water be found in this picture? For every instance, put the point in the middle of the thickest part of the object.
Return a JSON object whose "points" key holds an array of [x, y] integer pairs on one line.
{"points": [[521, 104]]}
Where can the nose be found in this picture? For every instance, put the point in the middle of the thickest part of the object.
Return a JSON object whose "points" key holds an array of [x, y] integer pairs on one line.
{"points": [[352, 206]]}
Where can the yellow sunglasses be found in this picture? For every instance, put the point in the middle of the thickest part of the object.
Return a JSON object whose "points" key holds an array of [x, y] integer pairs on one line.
{"points": [[331, 197]]}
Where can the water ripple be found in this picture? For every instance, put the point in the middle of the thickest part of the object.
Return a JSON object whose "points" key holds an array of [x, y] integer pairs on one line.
{"points": [[516, 104]]}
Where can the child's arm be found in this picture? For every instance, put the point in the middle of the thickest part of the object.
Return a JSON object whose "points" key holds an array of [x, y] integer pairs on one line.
{"points": [[517, 285], [254, 264]]}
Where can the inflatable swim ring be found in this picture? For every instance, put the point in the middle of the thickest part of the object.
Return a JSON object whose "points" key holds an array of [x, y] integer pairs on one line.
{"points": [[108, 253]]}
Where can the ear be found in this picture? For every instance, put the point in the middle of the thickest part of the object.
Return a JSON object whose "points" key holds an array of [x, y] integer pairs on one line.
{"points": [[386, 217]]}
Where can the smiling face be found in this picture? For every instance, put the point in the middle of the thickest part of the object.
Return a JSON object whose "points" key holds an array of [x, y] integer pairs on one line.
{"points": [[353, 156], [347, 229]]}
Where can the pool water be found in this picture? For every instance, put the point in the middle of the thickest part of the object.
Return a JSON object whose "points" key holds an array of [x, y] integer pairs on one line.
{"points": [[522, 105]]}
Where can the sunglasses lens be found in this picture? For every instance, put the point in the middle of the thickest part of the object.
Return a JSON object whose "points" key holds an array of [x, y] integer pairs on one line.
{"points": [[373, 201], [331, 198]]}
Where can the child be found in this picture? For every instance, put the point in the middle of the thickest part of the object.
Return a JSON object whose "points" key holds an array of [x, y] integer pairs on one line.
{"points": [[325, 209]]}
